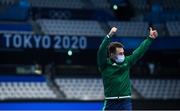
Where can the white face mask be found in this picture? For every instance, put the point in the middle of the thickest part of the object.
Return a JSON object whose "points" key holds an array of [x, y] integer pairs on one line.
{"points": [[120, 58]]}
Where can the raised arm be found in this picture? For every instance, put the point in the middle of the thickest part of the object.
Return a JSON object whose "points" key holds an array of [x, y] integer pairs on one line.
{"points": [[102, 51], [139, 52]]}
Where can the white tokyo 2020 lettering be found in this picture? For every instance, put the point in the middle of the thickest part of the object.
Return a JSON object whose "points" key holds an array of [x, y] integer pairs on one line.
{"points": [[45, 42]]}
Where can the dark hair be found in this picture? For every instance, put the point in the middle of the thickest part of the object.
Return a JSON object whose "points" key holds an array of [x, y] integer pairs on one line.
{"points": [[113, 45]]}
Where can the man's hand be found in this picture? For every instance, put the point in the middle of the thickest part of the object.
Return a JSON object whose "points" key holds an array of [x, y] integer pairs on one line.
{"points": [[113, 30], [153, 33]]}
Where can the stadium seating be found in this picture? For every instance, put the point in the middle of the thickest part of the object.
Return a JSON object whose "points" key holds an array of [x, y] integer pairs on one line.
{"points": [[100, 4], [157, 88], [70, 4], [166, 4], [138, 4], [7, 2], [130, 29], [171, 4], [26, 90], [71, 27], [25, 87], [84, 89], [173, 28], [93, 88]]}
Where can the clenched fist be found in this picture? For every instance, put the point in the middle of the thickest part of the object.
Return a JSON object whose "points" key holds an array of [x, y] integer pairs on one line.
{"points": [[112, 31], [153, 33]]}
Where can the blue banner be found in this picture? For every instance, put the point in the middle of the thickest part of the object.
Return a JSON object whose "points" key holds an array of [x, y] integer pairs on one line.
{"points": [[62, 42], [27, 41]]}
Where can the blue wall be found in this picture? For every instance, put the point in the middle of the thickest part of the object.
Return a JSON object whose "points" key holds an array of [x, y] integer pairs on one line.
{"points": [[52, 106], [22, 78], [16, 27]]}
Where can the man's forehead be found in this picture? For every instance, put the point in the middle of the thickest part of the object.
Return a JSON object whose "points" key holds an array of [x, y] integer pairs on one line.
{"points": [[119, 49]]}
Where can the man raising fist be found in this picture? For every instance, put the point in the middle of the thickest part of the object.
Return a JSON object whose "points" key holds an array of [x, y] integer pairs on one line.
{"points": [[115, 67]]}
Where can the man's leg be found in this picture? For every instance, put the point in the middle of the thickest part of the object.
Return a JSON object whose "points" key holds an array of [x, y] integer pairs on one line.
{"points": [[117, 104]]}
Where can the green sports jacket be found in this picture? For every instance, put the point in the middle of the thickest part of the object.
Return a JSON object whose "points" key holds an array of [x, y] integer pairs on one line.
{"points": [[115, 76]]}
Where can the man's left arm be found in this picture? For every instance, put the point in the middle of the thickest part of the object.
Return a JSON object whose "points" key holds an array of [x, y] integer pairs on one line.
{"points": [[139, 52]]}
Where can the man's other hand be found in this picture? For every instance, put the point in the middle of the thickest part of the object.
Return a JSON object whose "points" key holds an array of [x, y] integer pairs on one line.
{"points": [[153, 33]]}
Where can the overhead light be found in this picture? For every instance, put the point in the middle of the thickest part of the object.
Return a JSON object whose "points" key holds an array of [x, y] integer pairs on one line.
{"points": [[69, 52], [115, 7]]}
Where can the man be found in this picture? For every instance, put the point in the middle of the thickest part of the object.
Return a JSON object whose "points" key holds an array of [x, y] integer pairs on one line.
{"points": [[115, 70]]}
